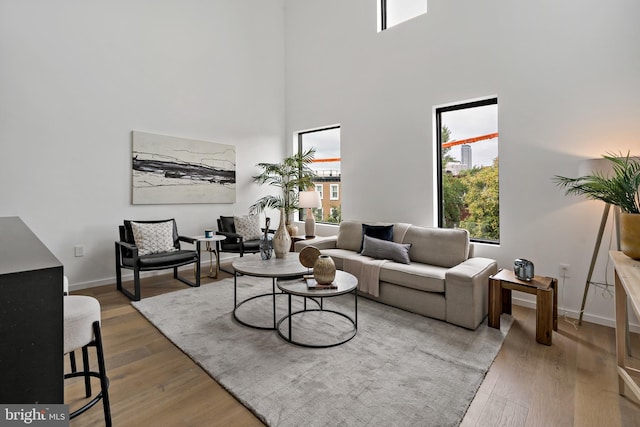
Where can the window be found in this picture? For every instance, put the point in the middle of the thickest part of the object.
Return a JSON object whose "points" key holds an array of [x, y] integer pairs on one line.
{"points": [[394, 12], [326, 165], [468, 168], [335, 192]]}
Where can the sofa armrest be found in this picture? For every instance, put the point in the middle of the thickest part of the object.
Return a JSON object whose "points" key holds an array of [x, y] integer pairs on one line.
{"points": [[328, 242], [467, 291]]}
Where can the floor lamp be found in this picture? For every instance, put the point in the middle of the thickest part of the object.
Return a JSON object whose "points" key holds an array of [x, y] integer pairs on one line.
{"points": [[601, 166]]}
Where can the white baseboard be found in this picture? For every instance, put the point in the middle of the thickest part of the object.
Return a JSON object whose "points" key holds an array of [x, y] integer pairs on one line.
{"points": [[128, 274], [573, 314]]}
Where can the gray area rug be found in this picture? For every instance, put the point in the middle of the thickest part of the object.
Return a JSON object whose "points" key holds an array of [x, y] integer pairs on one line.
{"points": [[401, 369]]}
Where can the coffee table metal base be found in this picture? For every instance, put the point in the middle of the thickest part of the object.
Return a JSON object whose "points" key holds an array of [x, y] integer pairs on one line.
{"points": [[288, 318], [237, 305], [272, 294], [275, 268]]}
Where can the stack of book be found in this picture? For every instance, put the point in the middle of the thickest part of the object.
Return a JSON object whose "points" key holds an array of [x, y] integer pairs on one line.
{"points": [[312, 284]]}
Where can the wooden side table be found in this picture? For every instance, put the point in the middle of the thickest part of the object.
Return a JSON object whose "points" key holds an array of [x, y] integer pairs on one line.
{"points": [[627, 292], [544, 288], [295, 239]]}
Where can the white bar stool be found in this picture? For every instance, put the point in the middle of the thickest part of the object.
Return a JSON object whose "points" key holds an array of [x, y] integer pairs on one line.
{"points": [[82, 330]]}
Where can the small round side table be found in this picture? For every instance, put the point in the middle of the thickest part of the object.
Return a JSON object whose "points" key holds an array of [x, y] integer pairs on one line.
{"points": [[212, 249]]}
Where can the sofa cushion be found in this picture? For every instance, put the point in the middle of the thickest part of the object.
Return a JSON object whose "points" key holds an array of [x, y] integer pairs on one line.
{"points": [[442, 247], [383, 232], [382, 249], [339, 255], [422, 277], [349, 236]]}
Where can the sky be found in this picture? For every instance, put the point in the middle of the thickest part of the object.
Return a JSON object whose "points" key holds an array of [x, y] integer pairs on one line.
{"points": [[473, 122], [327, 145]]}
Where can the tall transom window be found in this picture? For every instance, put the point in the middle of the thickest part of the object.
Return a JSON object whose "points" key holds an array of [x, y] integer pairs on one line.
{"points": [[326, 165], [468, 168]]}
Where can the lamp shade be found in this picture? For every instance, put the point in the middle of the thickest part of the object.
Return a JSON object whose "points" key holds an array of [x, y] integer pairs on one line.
{"points": [[309, 199]]}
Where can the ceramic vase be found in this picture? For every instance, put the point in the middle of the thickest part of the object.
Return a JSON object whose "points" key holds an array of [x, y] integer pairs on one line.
{"points": [[324, 270], [292, 229], [630, 235], [281, 240]]}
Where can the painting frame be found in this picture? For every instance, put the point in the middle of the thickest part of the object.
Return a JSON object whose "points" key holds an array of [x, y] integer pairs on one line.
{"points": [[174, 170]]}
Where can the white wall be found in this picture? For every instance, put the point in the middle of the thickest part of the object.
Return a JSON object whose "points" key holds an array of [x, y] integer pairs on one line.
{"points": [[76, 77], [566, 77]]}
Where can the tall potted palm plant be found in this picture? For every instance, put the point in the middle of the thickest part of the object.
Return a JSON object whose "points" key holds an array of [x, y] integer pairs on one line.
{"points": [[619, 188], [294, 173]]}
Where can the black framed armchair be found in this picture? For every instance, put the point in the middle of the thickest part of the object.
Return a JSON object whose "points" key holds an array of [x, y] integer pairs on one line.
{"points": [[152, 245], [235, 242]]}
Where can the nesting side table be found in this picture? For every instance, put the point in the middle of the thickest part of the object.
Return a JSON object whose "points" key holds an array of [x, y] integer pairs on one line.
{"points": [[545, 290]]}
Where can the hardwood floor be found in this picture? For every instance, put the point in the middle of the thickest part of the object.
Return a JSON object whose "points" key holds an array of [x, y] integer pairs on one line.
{"points": [[571, 383]]}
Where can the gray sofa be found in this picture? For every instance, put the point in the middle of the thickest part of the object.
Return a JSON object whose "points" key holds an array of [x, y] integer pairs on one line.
{"points": [[442, 280]]}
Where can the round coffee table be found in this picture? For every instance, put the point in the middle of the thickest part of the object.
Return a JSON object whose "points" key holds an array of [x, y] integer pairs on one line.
{"points": [[345, 283], [274, 268]]}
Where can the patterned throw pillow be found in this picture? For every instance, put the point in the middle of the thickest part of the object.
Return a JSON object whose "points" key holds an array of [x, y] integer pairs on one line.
{"points": [[248, 226], [153, 238]]}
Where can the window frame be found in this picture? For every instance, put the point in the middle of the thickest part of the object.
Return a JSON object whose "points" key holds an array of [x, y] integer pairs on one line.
{"points": [[493, 100], [337, 188], [383, 16], [300, 135]]}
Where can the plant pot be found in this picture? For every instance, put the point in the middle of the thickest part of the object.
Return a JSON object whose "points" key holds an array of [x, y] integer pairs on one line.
{"points": [[630, 235]]}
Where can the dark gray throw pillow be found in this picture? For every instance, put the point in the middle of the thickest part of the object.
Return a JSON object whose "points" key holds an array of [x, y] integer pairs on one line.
{"points": [[384, 232], [382, 249]]}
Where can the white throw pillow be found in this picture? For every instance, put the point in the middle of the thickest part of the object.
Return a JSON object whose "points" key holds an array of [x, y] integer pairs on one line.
{"points": [[248, 226], [153, 238]]}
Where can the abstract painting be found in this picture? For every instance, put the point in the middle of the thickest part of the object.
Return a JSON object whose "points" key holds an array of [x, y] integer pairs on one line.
{"points": [[170, 170]]}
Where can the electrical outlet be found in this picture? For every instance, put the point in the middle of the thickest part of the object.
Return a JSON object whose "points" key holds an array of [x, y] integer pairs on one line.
{"points": [[78, 250], [564, 270]]}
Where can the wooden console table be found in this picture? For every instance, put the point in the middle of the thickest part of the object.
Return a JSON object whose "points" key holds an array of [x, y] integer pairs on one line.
{"points": [[627, 288], [545, 290]]}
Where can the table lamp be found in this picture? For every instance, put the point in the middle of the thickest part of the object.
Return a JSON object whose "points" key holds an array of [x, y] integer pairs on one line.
{"points": [[309, 200]]}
